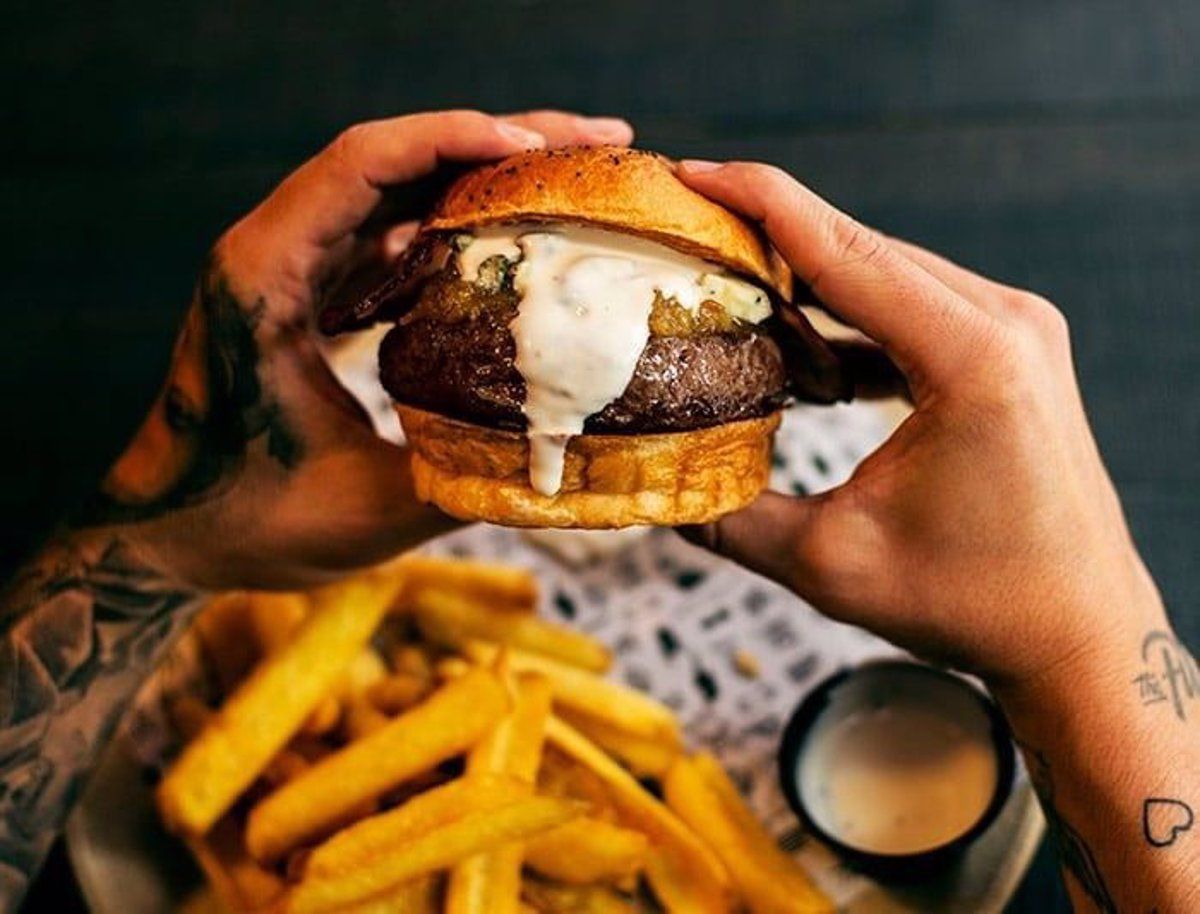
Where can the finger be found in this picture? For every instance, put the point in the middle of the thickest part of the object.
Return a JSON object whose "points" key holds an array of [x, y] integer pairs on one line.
{"points": [[329, 196], [557, 128], [921, 322], [563, 128], [398, 237], [761, 536], [980, 290]]}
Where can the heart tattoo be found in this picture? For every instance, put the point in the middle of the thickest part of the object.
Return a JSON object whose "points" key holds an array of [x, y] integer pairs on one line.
{"points": [[1164, 820]]}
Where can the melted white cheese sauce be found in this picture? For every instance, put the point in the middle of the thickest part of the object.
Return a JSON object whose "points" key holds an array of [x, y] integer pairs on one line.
{"points": [[899, 778], [583, 321]]}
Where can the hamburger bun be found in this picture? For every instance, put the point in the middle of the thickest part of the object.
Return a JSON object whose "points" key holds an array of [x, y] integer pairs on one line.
{"points": [[476, 473], [633, 191]]}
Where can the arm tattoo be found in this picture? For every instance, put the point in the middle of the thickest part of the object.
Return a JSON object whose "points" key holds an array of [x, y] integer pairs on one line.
{"points": [[1074, 854], [1170, 675], [79, 629], [1164, 819], [213, 405], [87, 621]]}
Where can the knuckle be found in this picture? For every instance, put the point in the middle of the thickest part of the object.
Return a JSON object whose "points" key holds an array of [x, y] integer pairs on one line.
{"points": [[1040, 318], [462, 118], [769, 177], [827, 570], [347, 146], [854, 242], [547, 114]]}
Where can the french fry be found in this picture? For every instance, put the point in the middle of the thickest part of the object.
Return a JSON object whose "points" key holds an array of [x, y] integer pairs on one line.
{"points": [[769, 881], [286, 766], [671, 881], [437, 849], [226, 633], [490, 883], [417, 896], [398, 692], [685, 874], [366, 669], [449, 619], [562, 776], [646, 757], [546, 898], [413, 660], [275, 618], [448, 723], [718, 780], [584, 692], [270, 706], [423, 813], [451, 668], [514, 746], [239, 882], [587, 851], [496, 586], [360, 718], [324, 717]]}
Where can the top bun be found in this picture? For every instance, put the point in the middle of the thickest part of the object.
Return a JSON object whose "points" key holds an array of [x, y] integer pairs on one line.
{"points": [[630, 190]]}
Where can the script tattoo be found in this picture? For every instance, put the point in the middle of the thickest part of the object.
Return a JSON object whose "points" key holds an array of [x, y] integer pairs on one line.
{"points": [[213, 405], [1164, 819], [1171, 674], [79, 629], [1073, 850]]}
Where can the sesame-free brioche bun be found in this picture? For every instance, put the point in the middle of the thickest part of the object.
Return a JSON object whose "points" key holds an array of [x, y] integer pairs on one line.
{"points": [[631, 190], [476, 473], [688, 475]]}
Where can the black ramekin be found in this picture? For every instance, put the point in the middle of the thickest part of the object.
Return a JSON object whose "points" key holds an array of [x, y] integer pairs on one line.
{"points": [[899, 867]]}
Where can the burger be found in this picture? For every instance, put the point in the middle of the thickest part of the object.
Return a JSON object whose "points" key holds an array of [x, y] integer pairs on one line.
{"points": [[580, 340]]}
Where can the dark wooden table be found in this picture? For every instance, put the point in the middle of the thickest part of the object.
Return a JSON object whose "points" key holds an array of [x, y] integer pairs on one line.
{"points": [[1052, 143]]}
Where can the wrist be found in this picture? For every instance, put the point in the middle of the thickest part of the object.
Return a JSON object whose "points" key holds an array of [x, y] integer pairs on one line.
{"points": [[1137, 675], [1096, 647]]}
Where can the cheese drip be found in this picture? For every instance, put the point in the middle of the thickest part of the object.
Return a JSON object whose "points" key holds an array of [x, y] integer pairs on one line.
{"points": [[583, 320]]}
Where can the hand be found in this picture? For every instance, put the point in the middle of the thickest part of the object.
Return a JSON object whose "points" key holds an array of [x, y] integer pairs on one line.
{"points": [[985, 532], [255, 467]]}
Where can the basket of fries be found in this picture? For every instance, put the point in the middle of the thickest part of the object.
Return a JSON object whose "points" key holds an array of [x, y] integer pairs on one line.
{"points": [[417, 739]]}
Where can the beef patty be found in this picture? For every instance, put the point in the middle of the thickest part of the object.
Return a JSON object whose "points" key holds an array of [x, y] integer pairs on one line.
{"points": [[464, 368]]}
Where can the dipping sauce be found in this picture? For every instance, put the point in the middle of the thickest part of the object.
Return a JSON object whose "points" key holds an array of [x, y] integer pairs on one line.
{"points": [[900, 760]]}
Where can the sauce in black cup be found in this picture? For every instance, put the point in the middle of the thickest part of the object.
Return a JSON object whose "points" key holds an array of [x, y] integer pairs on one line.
{"points": [[897, 766]]}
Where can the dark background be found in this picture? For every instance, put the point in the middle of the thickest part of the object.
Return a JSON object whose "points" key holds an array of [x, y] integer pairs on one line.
{"points": [[1054, 144]]}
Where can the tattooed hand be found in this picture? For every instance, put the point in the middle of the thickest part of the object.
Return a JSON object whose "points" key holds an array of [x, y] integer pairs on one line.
{"points": [[253, 468], [986, 533], [264, 469]]}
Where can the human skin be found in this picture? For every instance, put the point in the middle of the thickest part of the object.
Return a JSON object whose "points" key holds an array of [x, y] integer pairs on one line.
{"points": [[986, 534], [254, 467]]}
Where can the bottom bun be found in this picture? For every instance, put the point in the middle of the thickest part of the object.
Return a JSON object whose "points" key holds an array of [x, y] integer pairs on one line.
{"points": [[477, 473]]}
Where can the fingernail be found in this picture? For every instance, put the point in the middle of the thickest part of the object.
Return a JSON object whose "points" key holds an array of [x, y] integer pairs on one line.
{"points": [[699, 166], [607, 127], [530, 139]]}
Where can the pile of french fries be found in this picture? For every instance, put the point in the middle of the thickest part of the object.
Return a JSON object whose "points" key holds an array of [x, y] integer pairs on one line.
{"points": [[417, 740]]}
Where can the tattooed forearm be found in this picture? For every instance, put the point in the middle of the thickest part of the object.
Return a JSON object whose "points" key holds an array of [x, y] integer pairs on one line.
{"points": [[1073, 851], [212, 406], [79, 629]]}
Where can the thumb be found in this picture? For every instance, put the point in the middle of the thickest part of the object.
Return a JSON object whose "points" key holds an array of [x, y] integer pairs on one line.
{"points": [[765, 536]]}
